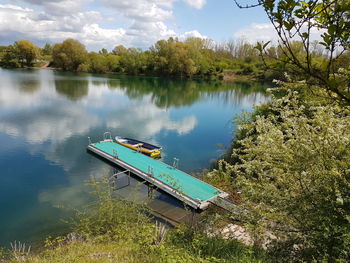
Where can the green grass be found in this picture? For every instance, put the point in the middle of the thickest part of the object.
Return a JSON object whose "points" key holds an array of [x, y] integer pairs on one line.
{"points": [[111, 230]]}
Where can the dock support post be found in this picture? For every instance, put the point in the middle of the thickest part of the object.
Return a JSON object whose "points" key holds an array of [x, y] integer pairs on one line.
{"points": [[150, 191], [176, 163]]}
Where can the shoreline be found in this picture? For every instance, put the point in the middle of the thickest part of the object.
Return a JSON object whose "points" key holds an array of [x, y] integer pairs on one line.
{"points": [[226, 76]]}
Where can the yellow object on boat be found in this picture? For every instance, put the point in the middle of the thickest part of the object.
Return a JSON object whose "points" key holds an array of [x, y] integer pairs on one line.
{"points": [[143, 147]]}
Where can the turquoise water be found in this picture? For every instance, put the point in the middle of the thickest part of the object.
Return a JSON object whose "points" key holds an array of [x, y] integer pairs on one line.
{"points": [[175, 178], [47, 116]]}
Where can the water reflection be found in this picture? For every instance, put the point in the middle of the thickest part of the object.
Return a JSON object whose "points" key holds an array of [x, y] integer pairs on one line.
{"points": [[73, 89], [46, 117], [30, 86], [167, 93]]}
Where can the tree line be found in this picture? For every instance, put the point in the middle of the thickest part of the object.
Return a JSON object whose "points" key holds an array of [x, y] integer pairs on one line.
{"points": [[194, 57]]}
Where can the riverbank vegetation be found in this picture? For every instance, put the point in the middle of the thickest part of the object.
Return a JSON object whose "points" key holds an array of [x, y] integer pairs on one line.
{"points": [[194, 57], [289, 163], [114, 230]]}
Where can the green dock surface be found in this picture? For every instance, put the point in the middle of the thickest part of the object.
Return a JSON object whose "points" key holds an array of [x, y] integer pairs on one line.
{"points": [[184, 183]]}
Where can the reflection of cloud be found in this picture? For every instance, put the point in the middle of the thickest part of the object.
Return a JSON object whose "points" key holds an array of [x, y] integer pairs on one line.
{"points": [[49, 124], [43, 116], [150, 120], [13, 87], [75, 194]]}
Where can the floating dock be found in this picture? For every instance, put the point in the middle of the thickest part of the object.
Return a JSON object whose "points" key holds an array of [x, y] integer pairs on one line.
{"points": [[181, 185]]}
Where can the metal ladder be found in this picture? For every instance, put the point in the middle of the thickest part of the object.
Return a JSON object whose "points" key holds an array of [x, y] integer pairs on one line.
{"points": [[107, 136]]}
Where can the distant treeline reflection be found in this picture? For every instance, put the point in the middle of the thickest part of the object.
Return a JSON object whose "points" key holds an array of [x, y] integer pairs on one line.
{"points": [[164, 92]]}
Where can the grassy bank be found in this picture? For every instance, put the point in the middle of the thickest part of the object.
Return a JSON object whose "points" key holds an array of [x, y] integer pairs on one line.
{"points": [[111, 230]]}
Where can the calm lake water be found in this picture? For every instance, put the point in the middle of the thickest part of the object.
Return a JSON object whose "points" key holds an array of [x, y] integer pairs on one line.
{"points": [[46, 117]]}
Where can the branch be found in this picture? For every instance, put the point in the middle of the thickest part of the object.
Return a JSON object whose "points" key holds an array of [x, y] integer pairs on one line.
{"points": [[248, 6]]}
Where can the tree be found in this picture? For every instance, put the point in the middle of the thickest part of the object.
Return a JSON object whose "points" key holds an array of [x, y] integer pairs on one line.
{"points": [[174, 57], [69, 54], [294, 19], [103, 51], [8, 58], [26, 52], [292, 167], [112, 62], [46, 50], [119, 50], [98, 63]]}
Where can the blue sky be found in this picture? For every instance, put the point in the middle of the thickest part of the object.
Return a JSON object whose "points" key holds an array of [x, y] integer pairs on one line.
{"points": [[133, 23]]}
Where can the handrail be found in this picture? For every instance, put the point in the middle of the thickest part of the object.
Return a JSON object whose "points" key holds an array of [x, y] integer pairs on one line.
{"points": [[107, 136]]}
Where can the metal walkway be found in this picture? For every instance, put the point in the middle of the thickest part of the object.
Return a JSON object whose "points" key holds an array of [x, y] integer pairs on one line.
{"points": [[182, 186]]}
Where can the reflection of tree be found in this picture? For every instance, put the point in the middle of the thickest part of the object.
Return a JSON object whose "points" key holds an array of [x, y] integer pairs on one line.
{"points": [[29, 85], [73, 89], [166, 92]]}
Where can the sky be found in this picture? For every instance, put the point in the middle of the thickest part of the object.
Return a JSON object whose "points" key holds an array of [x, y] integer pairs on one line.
{"points": [[135, 23]]}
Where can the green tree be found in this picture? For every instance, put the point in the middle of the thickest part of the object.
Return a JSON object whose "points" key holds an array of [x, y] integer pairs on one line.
{"points": [[297, 19], [8, 57], [132, 61], [69, 54], [103, 51], [46, 50], [98, 63], [119, 50], [112, 62], [26, 52], [174, 58]]}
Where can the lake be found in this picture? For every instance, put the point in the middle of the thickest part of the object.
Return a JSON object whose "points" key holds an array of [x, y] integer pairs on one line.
{"points": [[47, 116]]}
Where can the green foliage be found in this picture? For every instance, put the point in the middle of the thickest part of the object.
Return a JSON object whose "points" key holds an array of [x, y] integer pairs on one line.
{"points": [[21, 53], [118, 50], [8, 58], [26, 52], [194, 57], [46, 50], [98, 63], [292, 169], [109, 218], [298, 19], [69, 54], [214, 247]]}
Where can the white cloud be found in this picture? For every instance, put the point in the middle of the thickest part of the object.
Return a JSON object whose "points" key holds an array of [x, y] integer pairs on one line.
{"points": [[141, 22], [141, 10], [193, 33], [58, 7], [257, 32], [40, 25], [265, 32], [196, 3]]}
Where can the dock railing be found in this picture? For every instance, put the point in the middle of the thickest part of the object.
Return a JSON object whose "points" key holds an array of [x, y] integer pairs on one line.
{"points": [[166, 182]]}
